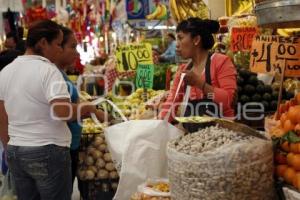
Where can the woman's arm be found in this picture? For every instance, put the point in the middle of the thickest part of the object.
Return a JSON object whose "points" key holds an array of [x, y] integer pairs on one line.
{"points": [[3, 125], [63, 109]]}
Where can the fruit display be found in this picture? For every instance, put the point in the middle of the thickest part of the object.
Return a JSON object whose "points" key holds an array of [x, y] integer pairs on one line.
{"points": [[157, 189], [218, 163], [243, 21], [183, 9], [287, 118], [250, 89], [287, 159], [89, 126], [134, 105], [291, 85], [84, 96], [95, 163]]}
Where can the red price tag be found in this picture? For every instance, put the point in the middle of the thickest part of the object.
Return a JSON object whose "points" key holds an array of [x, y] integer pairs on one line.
{"points": [[273, 53], [241, 38]]}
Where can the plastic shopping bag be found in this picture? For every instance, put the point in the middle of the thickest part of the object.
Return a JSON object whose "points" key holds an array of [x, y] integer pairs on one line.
{"points": [[144, 151], [7, 191], [139, 149]]}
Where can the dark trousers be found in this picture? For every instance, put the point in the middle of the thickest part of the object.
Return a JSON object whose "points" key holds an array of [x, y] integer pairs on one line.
{"points": [[41, 173]]}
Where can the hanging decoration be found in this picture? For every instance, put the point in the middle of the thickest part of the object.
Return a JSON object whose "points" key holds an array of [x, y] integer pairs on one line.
{"points": [[160, 12], [137, 9], [35, 13]]}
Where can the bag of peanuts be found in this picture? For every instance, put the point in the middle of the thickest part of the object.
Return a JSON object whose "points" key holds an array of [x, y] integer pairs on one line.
{"points": [[217, 163]]}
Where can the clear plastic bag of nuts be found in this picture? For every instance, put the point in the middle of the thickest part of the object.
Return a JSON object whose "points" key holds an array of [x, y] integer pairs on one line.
{"points": [[216, 163]]}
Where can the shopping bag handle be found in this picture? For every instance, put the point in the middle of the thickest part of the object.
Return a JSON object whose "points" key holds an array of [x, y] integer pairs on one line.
{"points": [[100, 100], [182, 75]]}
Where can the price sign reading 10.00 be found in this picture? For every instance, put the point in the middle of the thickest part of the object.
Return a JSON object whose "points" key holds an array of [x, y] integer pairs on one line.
{"points": [[130, 56], [273, 53]]}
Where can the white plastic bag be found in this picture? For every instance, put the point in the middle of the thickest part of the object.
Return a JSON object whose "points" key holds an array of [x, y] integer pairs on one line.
{"points": [[139, 149], [143, 151]]}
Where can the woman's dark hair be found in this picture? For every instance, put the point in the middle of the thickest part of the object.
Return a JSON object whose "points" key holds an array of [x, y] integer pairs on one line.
{"points": [[67, 33], [43, 29], [204, 28]]}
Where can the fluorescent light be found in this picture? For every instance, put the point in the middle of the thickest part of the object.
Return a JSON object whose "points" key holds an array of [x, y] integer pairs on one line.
{"points": [[160, 27]]}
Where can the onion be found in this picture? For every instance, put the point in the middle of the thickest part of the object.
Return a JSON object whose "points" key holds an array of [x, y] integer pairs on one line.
{"points": [[89, 160], [93, 168], [100, 163], [98, 140], [113, 175], [102, 147], [97, 154], [110, 166], [102, 174], [89, 174], [107, 157], [91, 149]]}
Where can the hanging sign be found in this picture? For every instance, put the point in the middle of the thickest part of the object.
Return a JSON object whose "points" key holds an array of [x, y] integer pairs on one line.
{"points": [[241, 38], [273, 53], [144, 76], [130, 56], [137, 9]]}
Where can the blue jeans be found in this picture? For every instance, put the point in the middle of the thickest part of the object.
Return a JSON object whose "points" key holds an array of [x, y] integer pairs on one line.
{"points": [[41, 172]]}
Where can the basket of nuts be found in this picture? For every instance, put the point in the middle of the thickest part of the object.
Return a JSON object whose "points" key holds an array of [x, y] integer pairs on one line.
{"points": [[218, 163]]}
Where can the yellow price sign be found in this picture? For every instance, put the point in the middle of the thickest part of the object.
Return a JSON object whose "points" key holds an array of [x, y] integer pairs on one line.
{"points": [[130, 56]]}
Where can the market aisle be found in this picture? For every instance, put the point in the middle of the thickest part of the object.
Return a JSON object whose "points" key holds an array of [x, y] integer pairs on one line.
{"points": [[76, 194]]}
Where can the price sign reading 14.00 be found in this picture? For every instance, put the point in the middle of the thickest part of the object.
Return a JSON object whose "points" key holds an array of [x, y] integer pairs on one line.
{"points": [[130, 56], [273, 53]]}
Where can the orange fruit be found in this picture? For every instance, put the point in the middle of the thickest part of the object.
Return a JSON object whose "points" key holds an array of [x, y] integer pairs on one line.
{"points": [[297, 128], [289, 175], [283, 118], [285, 146], [289, 159], [293, 114], [296, 161], [288, 126], [296, 181], [280, 158], [294, 148], [280, 170]]}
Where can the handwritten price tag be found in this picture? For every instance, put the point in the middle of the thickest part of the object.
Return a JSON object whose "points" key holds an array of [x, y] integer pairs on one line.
{"points": [[241, 38], [273, 53], [144, 77], [130, 56]]}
